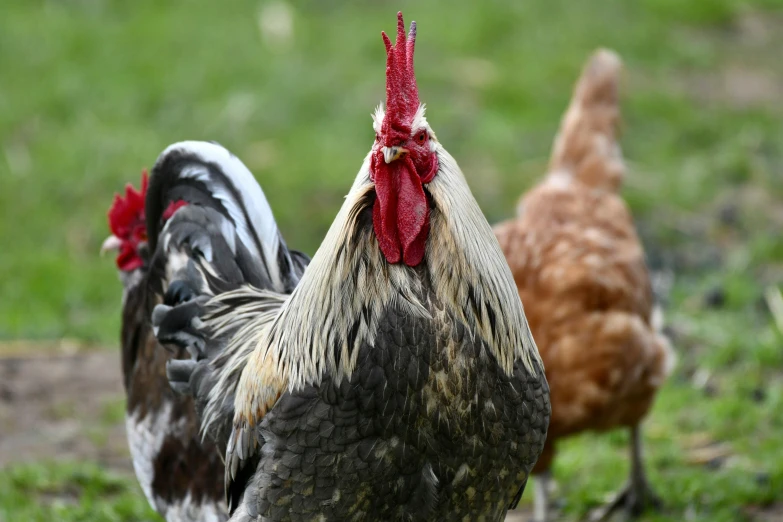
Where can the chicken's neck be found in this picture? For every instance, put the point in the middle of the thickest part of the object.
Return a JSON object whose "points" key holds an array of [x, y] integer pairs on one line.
{"points": [[342, 296], [470, 272], [349, 285]]}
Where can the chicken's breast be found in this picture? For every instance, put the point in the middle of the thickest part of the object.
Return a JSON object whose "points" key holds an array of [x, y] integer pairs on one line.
{"points": [[422, 390]]}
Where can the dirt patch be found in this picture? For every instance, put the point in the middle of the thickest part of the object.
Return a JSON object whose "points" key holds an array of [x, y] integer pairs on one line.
{"points": [[773, 513], [58, 406]]}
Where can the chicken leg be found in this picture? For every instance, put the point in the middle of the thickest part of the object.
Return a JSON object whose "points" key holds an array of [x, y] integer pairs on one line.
{"points": [[541, 486], [637, 495]]}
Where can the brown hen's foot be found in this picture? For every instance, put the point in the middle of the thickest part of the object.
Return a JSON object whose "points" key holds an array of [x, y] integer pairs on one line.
{"points": [[631, 501], [637, 496]]}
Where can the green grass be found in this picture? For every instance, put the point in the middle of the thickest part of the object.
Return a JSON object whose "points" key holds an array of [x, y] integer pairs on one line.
{"points": [[91, 91], [70, 492]]}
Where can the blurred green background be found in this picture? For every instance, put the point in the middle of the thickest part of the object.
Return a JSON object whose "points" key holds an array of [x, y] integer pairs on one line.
{"points": [[92, 90]]}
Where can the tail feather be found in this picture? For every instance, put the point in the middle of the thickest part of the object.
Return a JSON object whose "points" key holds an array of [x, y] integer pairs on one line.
{"points": [[215, 332], [234, 319], [586, 147], [223, 265], [208, 176]]}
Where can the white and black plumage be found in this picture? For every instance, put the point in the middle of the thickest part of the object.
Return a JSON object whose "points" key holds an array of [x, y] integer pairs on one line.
{"points": [[221, 212], [399, 381]]}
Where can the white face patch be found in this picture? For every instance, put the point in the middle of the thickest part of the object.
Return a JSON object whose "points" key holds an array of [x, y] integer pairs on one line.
{"points": [[130, 280], [377, 118], [419, 122]]}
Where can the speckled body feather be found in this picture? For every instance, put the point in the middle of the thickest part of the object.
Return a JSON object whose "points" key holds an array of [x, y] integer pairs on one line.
{"points": [[427, 426]]}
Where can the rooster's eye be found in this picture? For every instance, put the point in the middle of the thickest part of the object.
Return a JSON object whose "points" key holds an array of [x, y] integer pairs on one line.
{"points": [[377, 138], [421, 137]]}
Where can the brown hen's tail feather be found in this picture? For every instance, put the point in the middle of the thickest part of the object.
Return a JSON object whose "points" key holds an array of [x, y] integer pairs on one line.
{"points": [[586, 147]]}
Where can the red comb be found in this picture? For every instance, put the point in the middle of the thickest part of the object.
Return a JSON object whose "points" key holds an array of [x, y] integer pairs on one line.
{"points": [[124, 212], [173, 207], [402, 95]]}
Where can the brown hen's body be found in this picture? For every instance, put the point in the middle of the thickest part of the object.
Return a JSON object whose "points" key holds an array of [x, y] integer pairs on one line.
{"points": [[578, 263], [580, 271]]}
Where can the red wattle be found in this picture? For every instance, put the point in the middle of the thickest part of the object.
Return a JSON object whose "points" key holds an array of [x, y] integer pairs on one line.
{"points": [[127, 259], [401, 212], [412, 215], [383, 215]]}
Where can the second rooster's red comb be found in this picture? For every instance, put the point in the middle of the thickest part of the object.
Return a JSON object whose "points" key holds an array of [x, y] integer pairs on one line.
{"points": [[402, 94], [126, 210]]}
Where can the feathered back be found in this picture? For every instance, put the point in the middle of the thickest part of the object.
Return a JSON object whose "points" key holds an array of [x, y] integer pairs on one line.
{"points": [[586, 148]]}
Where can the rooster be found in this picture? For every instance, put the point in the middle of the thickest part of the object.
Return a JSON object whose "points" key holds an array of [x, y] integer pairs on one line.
{"points": [[580, 270], [181, 476], [399, 380]]}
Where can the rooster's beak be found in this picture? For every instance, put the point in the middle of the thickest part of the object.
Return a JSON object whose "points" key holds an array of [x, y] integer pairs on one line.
{"points": [[112, 243], [392, 153]]}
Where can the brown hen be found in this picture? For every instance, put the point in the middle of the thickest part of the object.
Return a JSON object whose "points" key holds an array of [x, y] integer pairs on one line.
{"points": [[581, 274]]}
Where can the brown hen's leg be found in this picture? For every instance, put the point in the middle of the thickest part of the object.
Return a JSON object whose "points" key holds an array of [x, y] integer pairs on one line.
{"points": [[541, 485], [637, 496]]}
